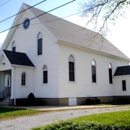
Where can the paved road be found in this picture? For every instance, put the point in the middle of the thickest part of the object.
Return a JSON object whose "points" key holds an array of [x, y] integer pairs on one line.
{"points": [[28, 122]]}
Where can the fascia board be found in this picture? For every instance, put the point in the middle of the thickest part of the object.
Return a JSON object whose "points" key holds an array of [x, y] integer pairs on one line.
{"points": [[94, 51]]}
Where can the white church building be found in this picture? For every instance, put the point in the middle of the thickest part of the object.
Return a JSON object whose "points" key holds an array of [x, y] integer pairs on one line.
{"points": [[60, 62]]}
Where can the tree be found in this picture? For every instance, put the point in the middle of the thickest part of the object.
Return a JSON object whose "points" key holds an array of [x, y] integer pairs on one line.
{"points": [[105, 10]]}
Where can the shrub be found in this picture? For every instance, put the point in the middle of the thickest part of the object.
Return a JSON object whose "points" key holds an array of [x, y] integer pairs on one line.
{"points": [[31, 96], [92, 101], [83, 126]]}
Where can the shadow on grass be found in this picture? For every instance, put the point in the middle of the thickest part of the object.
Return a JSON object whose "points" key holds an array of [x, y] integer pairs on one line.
{"points": [[7, 109]]}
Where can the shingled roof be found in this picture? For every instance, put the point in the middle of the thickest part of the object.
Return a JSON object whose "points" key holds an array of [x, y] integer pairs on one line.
{"points": [[18, 58], [122, 70], [76, 35]]}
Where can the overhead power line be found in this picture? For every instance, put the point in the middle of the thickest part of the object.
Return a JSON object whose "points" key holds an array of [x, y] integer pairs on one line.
{"points": [[22, 11], [5, 3], [40, 15], [52, 9]]}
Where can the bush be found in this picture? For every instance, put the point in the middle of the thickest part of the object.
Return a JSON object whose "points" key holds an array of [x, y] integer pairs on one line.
{"points": [[92, 101], [83, 126], [31, 96], [98, 101], [31, 99]]}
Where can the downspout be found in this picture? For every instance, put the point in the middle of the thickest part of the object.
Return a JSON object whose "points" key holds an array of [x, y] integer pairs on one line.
{"points": [[13, 89]]}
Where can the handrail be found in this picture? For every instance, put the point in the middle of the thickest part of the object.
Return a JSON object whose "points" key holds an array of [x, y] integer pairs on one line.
{"points": [[5, 93]]}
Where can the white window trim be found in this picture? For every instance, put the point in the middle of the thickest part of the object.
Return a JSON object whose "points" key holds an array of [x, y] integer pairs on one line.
{"points": [[46, 69], [122, 86], [6, 80], [74, 68], [93, 63], [25, 79], [39, 36]]}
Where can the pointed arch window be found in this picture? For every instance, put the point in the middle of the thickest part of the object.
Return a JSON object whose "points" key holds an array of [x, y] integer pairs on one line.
{"points": [[93, 71], [14, 46], [7, 80], [23, 79], [71, 68], [45, 74], [110, 73], [39, 44]]}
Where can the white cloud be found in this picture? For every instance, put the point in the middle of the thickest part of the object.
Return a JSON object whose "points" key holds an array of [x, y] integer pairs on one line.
{"points": [[2, 37]]}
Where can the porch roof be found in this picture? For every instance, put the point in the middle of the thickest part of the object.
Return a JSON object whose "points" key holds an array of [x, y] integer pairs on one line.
{"points": [[18, 58], [122, 70]]}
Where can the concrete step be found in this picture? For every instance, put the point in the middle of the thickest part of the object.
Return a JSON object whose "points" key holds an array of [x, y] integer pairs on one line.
{"points": [[5, 102]]}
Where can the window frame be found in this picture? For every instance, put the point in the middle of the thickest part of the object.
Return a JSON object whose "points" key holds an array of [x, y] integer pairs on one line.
{"points": [[39, 44], [93, 72], [14, 46], [110, 73], [71, 65], [124, 85], [23, 79], [7, 80], [45, 77]]}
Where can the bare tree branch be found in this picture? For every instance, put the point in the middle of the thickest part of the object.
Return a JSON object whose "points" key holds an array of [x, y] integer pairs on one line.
{"points": [[107, 9], [105, 21]]}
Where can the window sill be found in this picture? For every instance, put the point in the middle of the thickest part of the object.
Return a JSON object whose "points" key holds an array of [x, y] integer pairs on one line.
{"points": [[94, 83], [23, 86], [45, 83], [72, 82], [39, 55]]}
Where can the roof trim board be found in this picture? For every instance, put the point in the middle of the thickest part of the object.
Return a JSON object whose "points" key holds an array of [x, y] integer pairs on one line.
{"points": [[91, 50]]}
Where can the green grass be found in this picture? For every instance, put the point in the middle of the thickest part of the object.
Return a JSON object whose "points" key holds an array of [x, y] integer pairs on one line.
{"points": [[116, 118], [8, 113], [106, 121]]}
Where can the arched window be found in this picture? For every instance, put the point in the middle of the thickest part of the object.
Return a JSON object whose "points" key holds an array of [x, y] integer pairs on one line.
{"points": [[23, 79], [39, 44], [45, 74], [93, 71], [110, 73], [7, 80], [71, 68], [14, 46]]}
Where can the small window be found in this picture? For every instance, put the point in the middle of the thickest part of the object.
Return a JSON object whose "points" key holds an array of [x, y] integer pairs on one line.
{"points": [[14, 46], [39, 44], [110, 74], [123, 85], [93, 71], [45, 74], [23, 79], [71, 68], [7, 80]]}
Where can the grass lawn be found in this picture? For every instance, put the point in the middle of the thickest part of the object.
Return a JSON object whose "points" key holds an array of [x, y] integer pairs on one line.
{"points": [[8, 113], [106, 121]]}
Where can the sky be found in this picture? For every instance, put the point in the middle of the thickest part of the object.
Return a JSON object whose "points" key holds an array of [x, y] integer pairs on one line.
{"points": [[119, 34]]}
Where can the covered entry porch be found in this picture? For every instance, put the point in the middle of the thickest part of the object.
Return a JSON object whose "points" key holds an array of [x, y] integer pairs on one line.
{"points": [[5, 84]]}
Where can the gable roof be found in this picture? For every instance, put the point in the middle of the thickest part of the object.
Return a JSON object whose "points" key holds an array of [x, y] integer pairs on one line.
{"points": [[122, 70], [76, 35], [18, 58]]}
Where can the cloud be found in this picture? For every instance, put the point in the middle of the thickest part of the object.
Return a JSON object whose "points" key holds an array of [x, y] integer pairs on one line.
{"points": [[2, 37]]}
